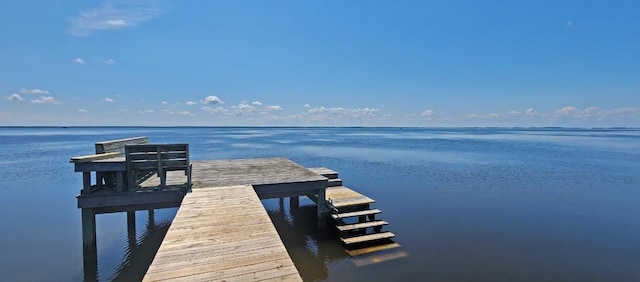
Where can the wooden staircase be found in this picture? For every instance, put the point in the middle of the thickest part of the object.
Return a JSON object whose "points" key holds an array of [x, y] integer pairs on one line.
{"points": [[360, 231]]}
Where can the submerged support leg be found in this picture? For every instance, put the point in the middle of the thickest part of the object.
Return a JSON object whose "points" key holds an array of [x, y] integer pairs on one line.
{"points": [[131, 228], [294, 202], [89, 248], [322, 208], [152, 218]]}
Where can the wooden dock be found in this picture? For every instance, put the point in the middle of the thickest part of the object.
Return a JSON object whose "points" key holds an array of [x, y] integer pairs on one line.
{"points": [[222, 234], [221, 231]]}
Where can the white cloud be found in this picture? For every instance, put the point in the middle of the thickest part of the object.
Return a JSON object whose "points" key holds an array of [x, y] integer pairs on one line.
{"points": [[82, 111], [274, 108], [108, 100], [45, 100], [191, 103], [529, 112], [427, 113], [340, 112], [212, 100], [256, 103], [164, 102], [243, 108], [115, 14], [34, 91], [307, 106], [184, 113], [595, 113], [117, 23], [78, 61], [14, 97], [109, 61]]}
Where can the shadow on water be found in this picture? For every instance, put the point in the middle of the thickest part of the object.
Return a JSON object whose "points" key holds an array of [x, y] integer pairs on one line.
{"points": [[310, 248], [138, 254]]}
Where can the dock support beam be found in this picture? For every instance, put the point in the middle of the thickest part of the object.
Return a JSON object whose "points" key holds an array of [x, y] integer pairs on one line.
{"points": [[89, 248], [322, 207]]}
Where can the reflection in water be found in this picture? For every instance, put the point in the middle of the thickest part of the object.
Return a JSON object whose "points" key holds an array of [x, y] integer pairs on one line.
{"points": [[310, 249], [139, 253]]}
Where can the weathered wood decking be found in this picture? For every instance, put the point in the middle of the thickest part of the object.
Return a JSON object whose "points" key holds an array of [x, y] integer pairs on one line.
{"points": [[222, 233]]}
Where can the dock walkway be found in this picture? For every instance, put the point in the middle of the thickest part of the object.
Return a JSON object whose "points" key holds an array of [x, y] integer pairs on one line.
{"points": [[222, 233]]}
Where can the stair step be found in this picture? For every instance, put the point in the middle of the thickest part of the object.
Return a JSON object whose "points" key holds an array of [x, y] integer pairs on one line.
{"points": [[334, 182], [356, 213], [367, 238], [362, 225], [328, 173], [372, 249]]}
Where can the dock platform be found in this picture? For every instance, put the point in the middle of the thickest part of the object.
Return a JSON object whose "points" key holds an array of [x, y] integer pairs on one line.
{"points": [[221, 231], [222, 234]]}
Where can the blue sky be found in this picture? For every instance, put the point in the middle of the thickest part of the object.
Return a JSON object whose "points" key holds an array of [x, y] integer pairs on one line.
{"points": [[308, 63]]}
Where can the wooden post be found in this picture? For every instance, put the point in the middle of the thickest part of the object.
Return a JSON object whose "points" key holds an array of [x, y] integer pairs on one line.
{"points": [[89, 248], [86, 182]]}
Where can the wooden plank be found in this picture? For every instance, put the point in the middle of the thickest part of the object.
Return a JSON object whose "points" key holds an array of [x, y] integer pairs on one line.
{"points": [[355, 226], [90, 158], [356, 213], [222, 233], [367, 238], [342, 196]]}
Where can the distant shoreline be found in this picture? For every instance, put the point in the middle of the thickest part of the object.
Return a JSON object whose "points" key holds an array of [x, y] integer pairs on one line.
{"points": [[346, 127]]}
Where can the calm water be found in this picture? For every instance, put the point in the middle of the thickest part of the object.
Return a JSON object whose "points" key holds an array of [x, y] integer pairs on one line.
{"points": [[465, 204]]}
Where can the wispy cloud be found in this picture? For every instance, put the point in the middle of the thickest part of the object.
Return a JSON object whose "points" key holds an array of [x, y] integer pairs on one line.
{"points": [[215, 110], [428, 113], [78, 61], [108, 100], [185, 113], [45, 100], [274, 108], [34, 91], [108, 61], [83, 111], [190, 103], [113, 14], [14, 97]]}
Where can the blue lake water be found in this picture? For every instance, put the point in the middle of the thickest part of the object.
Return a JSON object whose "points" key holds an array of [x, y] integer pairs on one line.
{"points": [[465, 204]]}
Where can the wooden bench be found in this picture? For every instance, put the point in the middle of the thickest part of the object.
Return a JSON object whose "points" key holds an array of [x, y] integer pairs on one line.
{"points": [[156, 158], [117, 146], [108, 163]]}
